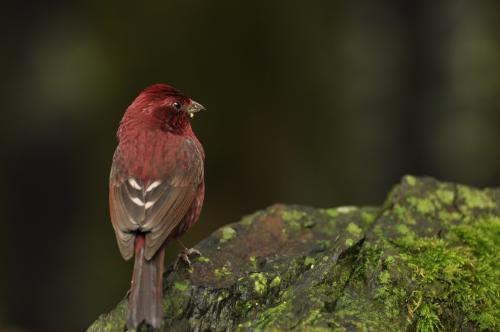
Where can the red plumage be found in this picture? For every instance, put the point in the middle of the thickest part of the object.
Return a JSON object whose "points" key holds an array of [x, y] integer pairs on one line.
{"points": [[156, 189]]}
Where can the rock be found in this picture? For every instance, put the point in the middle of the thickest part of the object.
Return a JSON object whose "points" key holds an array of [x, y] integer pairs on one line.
{"points": [[427, 261]]}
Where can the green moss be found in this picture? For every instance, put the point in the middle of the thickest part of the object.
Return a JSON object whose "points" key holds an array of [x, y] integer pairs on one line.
{"points": [[265, 318], [423, 205], [292, 215], [403, 229], [182, 286], [354, 229], [476, 199], [331, 212], [252, 261], [324, 244], [428, 318], [349, 242], [432, 277], [228, 233], [377, 308], [400, 211], [367, 217], [260, 283], [461, 269], [311, 329], [313, 316], [222, 272], [275, 282], [293, 219], [224, 294], [114, 321], [203, 259], [447, 196], [390, 260], [384, 277], [403, 214], [347, 209], [247, 220], [411, 180], [308, 261], [447, 216], [309, 223]]}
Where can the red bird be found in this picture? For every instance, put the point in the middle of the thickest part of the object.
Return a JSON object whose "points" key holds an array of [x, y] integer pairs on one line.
{"points": [[156, 190]]}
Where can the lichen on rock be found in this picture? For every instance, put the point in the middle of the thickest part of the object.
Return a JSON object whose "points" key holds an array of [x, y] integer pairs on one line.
{"points": [[426, 261]]}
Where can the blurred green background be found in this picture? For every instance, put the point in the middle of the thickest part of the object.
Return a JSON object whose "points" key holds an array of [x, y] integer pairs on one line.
{"points": [[321, 103]]}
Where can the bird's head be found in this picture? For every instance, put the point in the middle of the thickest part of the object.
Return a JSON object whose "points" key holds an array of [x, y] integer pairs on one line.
{"points": [[163, 106]]}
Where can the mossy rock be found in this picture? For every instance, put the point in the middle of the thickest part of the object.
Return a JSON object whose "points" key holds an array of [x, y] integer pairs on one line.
{"points": [[426, 261]]}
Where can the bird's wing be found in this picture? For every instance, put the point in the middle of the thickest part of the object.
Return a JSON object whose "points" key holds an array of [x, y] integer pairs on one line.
{"points": [[157, 206]]}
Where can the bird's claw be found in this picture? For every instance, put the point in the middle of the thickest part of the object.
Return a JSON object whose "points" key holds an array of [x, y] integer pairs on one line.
{"points": [[193, 251], [186, 253]]}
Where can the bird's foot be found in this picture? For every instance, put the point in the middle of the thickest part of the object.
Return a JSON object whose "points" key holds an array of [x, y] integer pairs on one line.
{"points": [[186, 254]]}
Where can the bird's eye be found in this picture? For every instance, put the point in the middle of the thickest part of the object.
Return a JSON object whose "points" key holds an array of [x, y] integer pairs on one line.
{"points": [[177, 105]]}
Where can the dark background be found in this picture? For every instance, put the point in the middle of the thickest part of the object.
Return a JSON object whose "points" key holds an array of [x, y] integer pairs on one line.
{"points": [[321, 103]]}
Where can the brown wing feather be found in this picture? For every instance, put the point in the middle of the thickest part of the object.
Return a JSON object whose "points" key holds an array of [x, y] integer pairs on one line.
{"points": [[121, 218], [170, 200]]}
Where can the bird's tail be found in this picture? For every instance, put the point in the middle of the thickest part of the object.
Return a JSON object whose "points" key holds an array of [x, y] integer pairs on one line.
{"points": [[145, 298]]}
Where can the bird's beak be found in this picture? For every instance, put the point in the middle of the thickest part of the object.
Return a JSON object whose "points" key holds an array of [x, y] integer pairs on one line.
{"points": [[194, 107]]}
